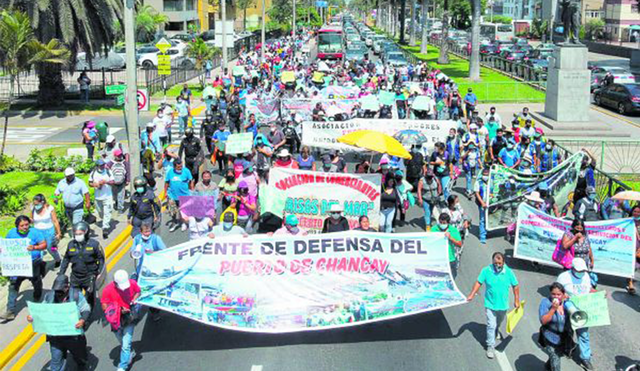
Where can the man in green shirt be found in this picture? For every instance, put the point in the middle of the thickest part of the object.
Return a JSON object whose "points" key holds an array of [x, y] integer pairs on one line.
{"points": [[498, 278], [455, 241]]}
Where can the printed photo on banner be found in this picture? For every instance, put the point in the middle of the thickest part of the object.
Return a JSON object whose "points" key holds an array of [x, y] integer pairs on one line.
{"points": [[278, 284], [326, 134], [613, 242], [198, 206], [508, 187], [309, 195], [302, 109], [15, 258], [266, 110]]}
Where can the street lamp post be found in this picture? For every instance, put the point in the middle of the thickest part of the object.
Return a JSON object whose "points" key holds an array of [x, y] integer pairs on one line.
{"points": [[264, 21], [294, 19], [223, 9], [131, 103]]}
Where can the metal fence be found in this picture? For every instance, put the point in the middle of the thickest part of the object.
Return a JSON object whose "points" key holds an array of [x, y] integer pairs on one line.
{"points": [[619, 157]]}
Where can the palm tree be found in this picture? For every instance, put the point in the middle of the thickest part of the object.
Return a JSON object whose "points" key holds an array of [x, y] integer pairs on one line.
{"points": [[201, 52], [425, 32], [474, 59], [148, 20], [412, 35], [91, 26], [19, 51], [244, 4], [443, 58]]}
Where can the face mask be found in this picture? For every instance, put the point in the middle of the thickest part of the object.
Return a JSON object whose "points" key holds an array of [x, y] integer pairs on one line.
{"points": [[443, 227], [578, 274], [294, 230], [538, 141], [70, 179], [146, 238], [548, 148], [592, 196], [79, 237], [273, 130], [335, 216], [637, 218], [140, 189], [497, 268], [38, 207], [510, 146], [230, 179], [206, 181], [160, 116], [101, 170], [24, 233], [485, 178], [59, 296], [227, 225]]}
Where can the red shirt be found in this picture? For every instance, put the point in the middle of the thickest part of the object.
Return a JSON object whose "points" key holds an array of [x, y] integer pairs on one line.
{"points": [[112, 294]]}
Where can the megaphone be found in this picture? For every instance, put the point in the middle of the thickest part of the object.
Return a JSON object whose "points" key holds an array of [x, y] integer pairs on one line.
{"points": [[577, 317], [136, 253]]}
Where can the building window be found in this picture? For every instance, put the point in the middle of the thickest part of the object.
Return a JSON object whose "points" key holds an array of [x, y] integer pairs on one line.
{"points": [[174, 26], [191, 5], [173, 5]]}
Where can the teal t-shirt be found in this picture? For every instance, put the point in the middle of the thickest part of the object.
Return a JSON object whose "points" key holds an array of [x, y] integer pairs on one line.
{"points": [[455, 234], [497, 286]]}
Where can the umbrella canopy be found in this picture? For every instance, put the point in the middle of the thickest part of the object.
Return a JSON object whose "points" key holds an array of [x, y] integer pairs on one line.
{"points": [[288, 76], [627, 196], [239, 71], [421, 103], [410, 137], [370, 103], [375, 141]]}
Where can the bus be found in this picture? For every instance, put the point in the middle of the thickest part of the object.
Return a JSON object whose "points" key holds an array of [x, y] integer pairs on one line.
{"points": [[497, 32], [329, 43]]}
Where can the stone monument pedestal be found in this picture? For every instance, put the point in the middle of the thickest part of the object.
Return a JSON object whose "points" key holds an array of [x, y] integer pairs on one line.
{"points": [[568, 85]]}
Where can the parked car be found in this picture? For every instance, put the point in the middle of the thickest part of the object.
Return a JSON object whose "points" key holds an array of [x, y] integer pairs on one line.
{"points": [[178, 59], [184, 37], [355, 54], [111, 61], [488, 49], [541, 66], [516, 56], [625, 98], [397, 59], [620, 76]]}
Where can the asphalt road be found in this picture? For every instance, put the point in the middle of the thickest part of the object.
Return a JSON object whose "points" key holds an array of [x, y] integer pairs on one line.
{"points": [[450, 339]]}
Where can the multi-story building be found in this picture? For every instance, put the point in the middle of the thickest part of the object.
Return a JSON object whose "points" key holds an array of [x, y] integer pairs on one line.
{"points": [[620, 17], [183, 14], [592, 9]]}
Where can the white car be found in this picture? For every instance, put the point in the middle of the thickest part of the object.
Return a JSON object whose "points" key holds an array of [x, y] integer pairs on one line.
{"points": [[150, 60], [111, 61]]}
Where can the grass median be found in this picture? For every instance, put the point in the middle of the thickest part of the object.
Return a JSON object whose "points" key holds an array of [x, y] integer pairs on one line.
{"points": [[494, 87]]}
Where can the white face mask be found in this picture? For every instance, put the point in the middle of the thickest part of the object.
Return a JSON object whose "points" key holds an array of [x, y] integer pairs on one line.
{"points": [[146, 238], [79, 237], [227, 225]]}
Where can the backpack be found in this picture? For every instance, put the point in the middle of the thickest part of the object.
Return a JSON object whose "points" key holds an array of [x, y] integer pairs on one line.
{"points": [[414, 166], [112, 315], [119, 172]]}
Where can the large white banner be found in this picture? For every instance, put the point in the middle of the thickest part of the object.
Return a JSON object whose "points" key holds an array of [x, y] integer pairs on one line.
{"points": [[326, 134], [310, 194]]}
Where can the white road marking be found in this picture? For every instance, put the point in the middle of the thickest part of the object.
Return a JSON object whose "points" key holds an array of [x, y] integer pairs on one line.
{"points": [[29, 134], [113, 131], [503, 361], [256, 368]]}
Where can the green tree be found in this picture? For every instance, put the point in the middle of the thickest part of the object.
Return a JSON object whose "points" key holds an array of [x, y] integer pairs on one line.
{"points": [[201, 52], [20, 51], [594, 29], [502, 19], [148, 21], [539, 28], [244, 5], [91, 26], [281, 12]]}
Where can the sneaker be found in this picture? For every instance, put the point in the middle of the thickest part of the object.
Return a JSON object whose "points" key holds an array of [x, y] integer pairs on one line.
{"points": [[8, 316], [121, 369], [169, 222], [132, 355], [499, 337], [484, 242], [57, 264], [105, 235], [174, 227], [183, 227], [490, 353], [586, 364]]}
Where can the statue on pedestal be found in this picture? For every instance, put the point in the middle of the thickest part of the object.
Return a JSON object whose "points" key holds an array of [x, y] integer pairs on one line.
{"points": [[571, 21]]}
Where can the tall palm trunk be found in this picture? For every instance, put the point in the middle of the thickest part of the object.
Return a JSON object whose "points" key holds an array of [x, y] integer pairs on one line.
{"points": [[244, 20], [474, 59], [403, 11], [51, 87], [412, 35], [6, 114], [443, 58], [425, 31]]}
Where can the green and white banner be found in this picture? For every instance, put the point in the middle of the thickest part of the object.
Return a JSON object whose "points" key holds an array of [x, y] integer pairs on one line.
{"points": [[278, 284], [508, 187]]}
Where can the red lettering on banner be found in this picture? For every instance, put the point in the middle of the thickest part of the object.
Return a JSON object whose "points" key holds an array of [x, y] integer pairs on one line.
{"points": [[354, 183]]}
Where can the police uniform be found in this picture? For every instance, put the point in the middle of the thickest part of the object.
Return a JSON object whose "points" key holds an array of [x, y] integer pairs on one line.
{"points": [[87, 260], [144, 208], [191, 147], [208, 128]]}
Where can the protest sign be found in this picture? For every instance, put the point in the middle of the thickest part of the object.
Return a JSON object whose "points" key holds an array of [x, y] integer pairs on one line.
{"points": [[303, 108], [596, 306], [613, 242], [340, 92], [508, 187], [309, 195], [198, 206], [326, 134], [387, 98], [15, 258], [239, 143], [55, 319], [514, 317], [283, 283], [266, 110]]}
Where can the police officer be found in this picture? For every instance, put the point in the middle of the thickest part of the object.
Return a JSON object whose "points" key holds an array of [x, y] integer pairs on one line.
{"points": [[191, 148], [207, 129], [86, 258], [235, 116], [144, 206], [61, 292]]}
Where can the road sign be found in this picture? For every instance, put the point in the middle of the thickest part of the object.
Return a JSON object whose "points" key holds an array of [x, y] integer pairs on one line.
{"points": [[164, 64], [120, 100], [115, 89], [163, 45], [322, 4], [143, 100]]}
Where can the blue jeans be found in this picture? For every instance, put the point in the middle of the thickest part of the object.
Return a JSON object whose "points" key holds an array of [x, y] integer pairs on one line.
{"points": [[444, 182], [494, 320], [428, 208], [470, 175], [76, 345], [124, 336], [182, 122], [74, 215], [583, 343], [386, 219], [482, 225]]}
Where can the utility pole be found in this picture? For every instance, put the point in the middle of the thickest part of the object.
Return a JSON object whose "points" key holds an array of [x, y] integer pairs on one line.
{"points": [[294, 20], [264, 23], [223, 8], [131, 103]]}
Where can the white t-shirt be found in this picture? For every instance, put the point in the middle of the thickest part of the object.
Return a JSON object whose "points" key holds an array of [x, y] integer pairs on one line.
{"points": [[161, 126], [198, 229], [104, 192], [573, 285]]}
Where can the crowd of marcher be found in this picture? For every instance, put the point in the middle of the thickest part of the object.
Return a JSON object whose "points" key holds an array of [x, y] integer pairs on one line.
{"points": [[426, 182]]}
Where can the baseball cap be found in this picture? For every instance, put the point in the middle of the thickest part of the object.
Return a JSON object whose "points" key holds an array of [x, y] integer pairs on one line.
{"points": [[100, 162], [151, 125], [121, 278], [284, 153], [110, 138], [335, 208], [579, 265], [291, 220], [473, 126], [60, 283], [69, 171], [117, 152]]}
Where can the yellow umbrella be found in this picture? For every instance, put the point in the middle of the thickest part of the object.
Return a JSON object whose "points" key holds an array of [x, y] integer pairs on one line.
{"points": [[375, 141], [627, 196]]}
